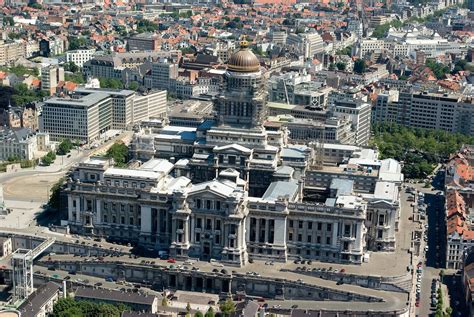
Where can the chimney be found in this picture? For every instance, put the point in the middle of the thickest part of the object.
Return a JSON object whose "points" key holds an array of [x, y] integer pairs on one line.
{"points": [[64, 289]]}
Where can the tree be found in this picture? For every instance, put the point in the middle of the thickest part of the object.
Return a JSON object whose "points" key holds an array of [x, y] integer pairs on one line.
{"points": [[77, 78], [188, 307], [341, 65], [71, 67], [438, 69], [119, 152], [332, 67], [360, 66], [146, 26], [164, 302], [76, 42], [14, 36], [198, 314], [111, 83], [35, 5], [210, 312], [65, 147], [133, 85], [227, 307]]}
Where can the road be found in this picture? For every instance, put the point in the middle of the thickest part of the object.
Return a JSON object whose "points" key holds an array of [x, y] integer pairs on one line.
{"points": [[434, 259]]}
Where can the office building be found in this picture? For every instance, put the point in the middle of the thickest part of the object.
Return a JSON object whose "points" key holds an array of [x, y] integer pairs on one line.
{"points": [[89, 112], [80, 56]]}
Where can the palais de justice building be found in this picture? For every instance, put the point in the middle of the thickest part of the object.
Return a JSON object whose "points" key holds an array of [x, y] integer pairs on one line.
{"points": [[242, 191]]}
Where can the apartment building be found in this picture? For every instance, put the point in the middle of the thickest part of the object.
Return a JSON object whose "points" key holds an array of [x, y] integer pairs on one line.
{"points": [[80, 56], [18, 143], [144, 42], [309, 44], [50, 78], [115, 65], [458, 204]]}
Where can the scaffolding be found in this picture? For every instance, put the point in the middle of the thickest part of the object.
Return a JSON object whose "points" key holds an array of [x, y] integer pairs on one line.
{"points": [[22, 264]]}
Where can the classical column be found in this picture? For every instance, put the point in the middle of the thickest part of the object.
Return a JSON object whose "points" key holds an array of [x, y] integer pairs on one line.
{"points": [[98, 209], [334, 233]]}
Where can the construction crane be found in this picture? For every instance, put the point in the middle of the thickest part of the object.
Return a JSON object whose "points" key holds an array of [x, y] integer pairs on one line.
{"points": [[22, 264]]}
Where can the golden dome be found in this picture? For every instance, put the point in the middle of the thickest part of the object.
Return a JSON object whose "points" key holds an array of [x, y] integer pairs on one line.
{"points": [[244, 61]]}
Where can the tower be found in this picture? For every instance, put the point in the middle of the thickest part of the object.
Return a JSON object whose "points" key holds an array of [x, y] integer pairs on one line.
{"points": [[242, 101]]}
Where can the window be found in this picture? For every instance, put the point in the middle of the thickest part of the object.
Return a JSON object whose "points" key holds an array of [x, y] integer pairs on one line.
{"points": [[74, 203], [308, 239], [208, 224], [218, 225], [198, 203], [320, 226], [198, 237], [347, 230], [318, 239], [300, 224], [329, 227], [208, 204], [290, 236], [105, 218], [300, 237], [221, 158], [131, 221], [328, 240], [199, 223], [218, 205], [122, 220], [381, 220], [379, 234], [310, 225], [231, 159], [291, 223], [242, 160], [217, 239]]}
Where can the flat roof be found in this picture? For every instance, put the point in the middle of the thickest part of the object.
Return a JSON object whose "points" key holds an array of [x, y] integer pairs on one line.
{"points": [[115, 296], [85, 101], [281, 189], [134, 173]]}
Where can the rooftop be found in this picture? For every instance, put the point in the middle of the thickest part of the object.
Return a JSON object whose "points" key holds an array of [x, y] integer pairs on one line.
{"points": [[114, 296], [34, 303]]}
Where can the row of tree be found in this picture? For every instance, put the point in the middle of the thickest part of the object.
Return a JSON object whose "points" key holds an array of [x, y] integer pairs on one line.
{"points": [[419, 149], [68, 307]]}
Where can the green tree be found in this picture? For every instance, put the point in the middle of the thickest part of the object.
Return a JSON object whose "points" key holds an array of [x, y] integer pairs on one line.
{"points": [[360, 66], [71, 67], [332, 67], [111, 83], [227, 307], [77, 78], [210, 312], [188, 307], [133, 85], [35, 5], [341, 66], [164, 302], [198, 314], [65, 147], [439, 70], [119, 152], [14, 36], [76, 42]]}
